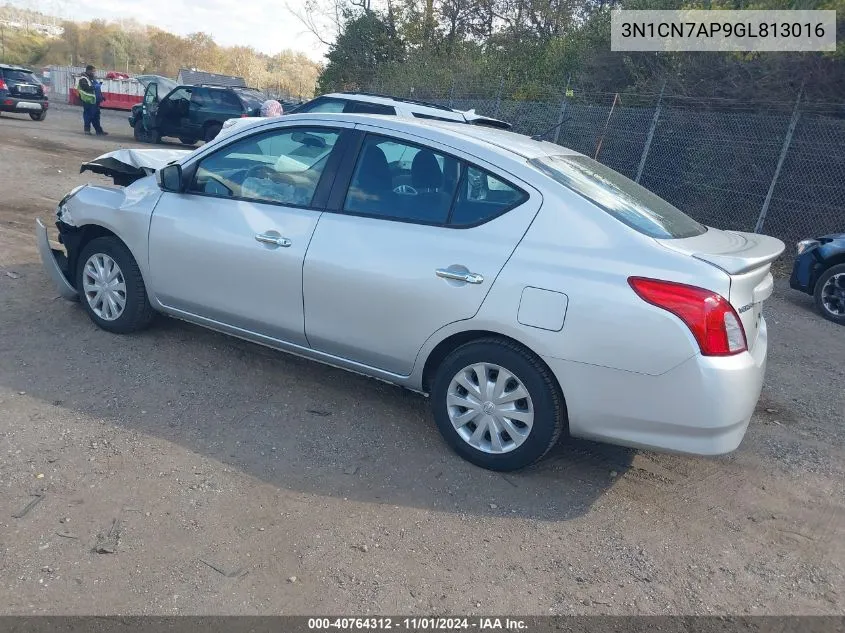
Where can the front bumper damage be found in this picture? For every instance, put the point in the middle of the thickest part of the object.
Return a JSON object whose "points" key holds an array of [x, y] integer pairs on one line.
{"points": [[55, 263]]}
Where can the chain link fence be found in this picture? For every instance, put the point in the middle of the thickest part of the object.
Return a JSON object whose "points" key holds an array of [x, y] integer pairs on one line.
{"points": [[771, 167]]}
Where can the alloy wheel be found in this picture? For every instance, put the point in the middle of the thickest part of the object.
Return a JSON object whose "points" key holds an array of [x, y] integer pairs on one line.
{"points": [[833, 295]]}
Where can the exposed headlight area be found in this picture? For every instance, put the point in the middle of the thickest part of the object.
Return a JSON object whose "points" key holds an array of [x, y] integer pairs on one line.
{"points": [[62, 211], [805, 245]]}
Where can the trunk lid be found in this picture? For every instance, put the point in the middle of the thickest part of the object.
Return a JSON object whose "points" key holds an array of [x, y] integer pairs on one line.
{"points": [[747, 259]]}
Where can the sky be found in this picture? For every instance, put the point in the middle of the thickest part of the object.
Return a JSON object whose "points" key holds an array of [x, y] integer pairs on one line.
{"points": [[267, 27]]}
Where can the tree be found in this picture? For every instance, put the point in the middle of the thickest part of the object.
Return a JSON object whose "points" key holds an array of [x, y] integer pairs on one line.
{"points": [[365, 44]]}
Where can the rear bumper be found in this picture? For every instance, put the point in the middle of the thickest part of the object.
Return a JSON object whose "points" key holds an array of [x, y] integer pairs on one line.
{"points": [[50, 259], [23, 106], [703, 406]]}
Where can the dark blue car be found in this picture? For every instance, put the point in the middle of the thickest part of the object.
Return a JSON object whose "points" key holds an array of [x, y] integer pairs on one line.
{"points": [[819, 270]]}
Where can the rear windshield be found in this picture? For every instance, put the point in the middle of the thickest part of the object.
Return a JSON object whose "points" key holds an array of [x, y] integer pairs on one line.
{"points": [[19, 75], [619, 196]]}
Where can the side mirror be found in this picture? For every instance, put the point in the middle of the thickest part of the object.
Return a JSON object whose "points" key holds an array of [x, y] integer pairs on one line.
{"points": [[169, 178]]}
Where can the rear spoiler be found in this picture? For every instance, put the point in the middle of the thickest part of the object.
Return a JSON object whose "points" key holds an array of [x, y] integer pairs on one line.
{"points": [[477, 119], [758, 250]]}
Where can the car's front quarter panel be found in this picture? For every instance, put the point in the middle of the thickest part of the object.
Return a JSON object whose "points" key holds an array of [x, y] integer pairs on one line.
{"points": [[124, 211]]}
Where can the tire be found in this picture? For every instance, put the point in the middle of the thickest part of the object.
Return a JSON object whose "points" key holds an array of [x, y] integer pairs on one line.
{"points": [[211, 131], [38, 117], [137, 312], [143, 135], [836, 276], [186, 141], [545, 400]]}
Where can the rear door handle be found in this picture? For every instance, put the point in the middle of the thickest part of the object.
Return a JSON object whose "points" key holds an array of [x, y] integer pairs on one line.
{"points": [[274, 240], [470, 278]]}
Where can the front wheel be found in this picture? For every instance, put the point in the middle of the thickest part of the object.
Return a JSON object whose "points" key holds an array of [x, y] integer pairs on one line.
{"points": [[111, 288], [830, 294], [38, 116], [497, 405], [143, 135]]}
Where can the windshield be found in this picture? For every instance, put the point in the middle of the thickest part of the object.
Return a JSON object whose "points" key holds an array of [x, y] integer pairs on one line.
{"points": [[619, 196]]}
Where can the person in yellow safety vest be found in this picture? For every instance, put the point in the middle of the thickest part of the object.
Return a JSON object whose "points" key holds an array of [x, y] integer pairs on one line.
{"points": [[90, 96]]}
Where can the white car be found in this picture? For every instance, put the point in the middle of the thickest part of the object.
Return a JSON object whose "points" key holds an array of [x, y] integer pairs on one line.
{"points": [[527, 289], [365, 103]]}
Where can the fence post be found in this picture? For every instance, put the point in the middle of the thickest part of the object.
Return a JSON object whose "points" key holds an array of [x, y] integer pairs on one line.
{"points": [[796, 113], [452, 92], [499, 96], [650, 133], [562, 112]]}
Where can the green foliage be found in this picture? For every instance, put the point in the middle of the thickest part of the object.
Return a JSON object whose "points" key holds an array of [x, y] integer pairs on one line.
{"points": [[531, 48]]}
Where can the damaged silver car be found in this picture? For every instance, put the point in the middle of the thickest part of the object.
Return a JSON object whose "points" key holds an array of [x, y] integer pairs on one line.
{"points": [[515, 282]]}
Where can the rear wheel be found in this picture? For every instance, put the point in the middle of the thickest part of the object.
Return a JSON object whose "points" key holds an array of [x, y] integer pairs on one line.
{"points": [[39, 116], [497, 405], [211, 131], [111, 288], [830, 294]]}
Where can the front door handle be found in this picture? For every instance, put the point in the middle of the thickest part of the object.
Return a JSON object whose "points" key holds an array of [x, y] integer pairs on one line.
{"points": [[273, 240], [455, 275]]}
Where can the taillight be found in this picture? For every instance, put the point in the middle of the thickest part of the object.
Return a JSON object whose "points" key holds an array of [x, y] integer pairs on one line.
{"points": [[2, 85], [711, 319]]}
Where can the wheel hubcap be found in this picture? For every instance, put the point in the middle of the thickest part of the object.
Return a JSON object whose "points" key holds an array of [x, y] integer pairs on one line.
{"points": [[490, 408], [104, 286], [833, 295]]}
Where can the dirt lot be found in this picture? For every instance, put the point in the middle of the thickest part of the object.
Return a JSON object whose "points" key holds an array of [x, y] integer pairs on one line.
{"points": [[311, 490]]}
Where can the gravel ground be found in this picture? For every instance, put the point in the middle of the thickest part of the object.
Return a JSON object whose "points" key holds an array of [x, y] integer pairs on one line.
{"points": [[182, 471]]}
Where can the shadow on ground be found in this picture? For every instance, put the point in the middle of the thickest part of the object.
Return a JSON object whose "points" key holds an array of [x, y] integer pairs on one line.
{"points": [[291, 422]]}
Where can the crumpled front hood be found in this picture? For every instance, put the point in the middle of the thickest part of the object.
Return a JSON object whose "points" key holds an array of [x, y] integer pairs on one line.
{"points": [[128, 165]]}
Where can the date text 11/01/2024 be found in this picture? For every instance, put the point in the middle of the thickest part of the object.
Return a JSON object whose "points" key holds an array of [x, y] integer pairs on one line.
{"points": [[418, 624]]}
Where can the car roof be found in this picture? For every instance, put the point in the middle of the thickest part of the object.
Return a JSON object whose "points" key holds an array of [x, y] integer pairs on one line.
{"points": [[388, 100], [13, 67], [500, 141]]}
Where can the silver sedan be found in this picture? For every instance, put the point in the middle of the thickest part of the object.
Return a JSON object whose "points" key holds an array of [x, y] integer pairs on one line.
{"points": [[528, 290]]}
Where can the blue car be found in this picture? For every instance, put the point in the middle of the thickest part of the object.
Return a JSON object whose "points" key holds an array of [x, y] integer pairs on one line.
{"points": [[819, 270]]}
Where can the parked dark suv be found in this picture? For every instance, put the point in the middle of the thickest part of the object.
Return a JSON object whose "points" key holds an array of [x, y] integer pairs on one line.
{"points": [[20, 91], [189, 113]]}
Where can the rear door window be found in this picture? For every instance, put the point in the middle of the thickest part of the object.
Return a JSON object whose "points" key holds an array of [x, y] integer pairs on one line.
{"points": [[619, 196], [401, 181], [199, 97]]}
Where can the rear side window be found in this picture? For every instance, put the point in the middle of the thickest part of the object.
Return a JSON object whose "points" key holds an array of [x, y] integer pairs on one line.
{"points": [[483, 196], [619, 196], [225, 99], [362, 107], [250, 98]]}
